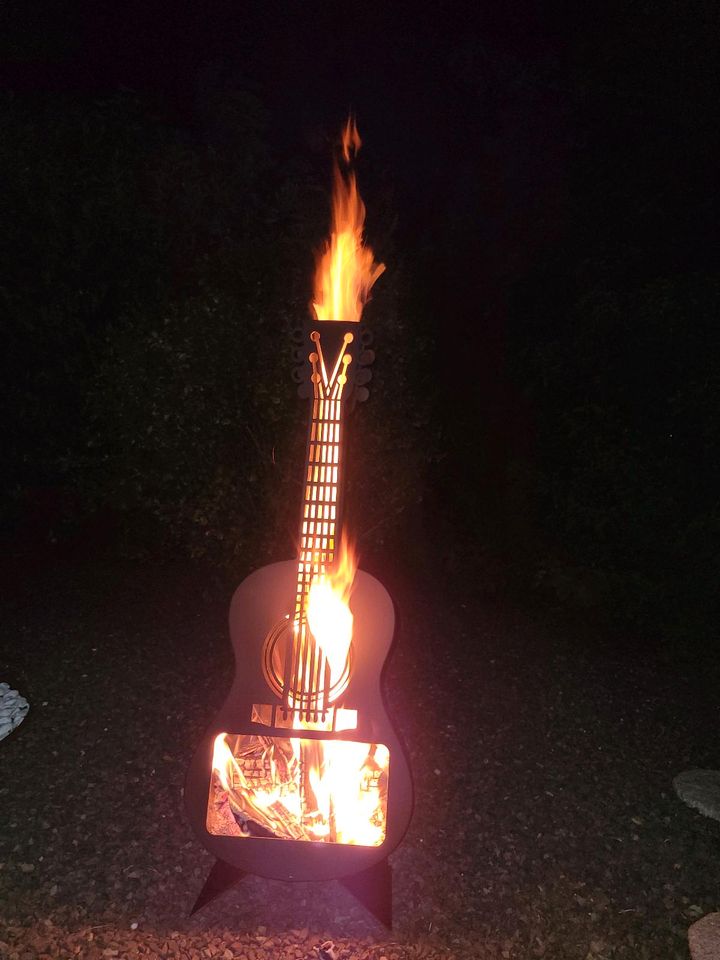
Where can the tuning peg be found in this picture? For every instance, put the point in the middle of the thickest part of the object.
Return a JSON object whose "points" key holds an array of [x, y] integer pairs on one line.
{"points": [[366, 337], [297, 335], [299, 375], [304, 391], [361, 394], [363, 376], [298, 354], [367, 357]]}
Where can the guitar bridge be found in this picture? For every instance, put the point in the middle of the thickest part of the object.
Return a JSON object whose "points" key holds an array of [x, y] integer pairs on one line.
{"points": [[335, 719]]}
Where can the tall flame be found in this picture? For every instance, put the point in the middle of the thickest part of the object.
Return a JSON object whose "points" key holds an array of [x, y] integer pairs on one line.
{"points": [[346, 268], [328, 610]]}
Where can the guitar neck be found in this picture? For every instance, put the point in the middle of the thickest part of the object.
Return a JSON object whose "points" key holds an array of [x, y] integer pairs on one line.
{"points": [[321, 522]]}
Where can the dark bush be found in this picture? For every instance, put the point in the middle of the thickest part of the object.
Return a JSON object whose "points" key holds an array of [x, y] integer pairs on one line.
{"points": [[627, 404], [152, 278]]}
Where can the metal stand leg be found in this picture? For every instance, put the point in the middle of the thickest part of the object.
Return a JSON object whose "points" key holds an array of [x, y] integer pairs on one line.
{"points": [[222, 876], [373, 888]]}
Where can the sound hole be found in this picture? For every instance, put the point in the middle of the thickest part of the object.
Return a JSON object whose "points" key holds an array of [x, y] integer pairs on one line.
{"points": [[297, 669]]}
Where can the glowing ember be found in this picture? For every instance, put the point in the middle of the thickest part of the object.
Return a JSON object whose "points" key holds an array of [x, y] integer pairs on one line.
{"points": [[346, 269]]}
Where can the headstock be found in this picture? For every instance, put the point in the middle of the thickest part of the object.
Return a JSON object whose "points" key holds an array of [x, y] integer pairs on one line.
{"points": [[332, 360]]}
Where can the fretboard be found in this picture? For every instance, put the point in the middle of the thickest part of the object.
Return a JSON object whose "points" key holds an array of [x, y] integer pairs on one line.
{"points": [[321, 503], [307, 673]]}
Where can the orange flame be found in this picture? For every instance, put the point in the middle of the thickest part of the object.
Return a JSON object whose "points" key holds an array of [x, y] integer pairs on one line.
{"points": [[319, 790], [343, 799], [328, 610], [223, 760], [346, 268]]}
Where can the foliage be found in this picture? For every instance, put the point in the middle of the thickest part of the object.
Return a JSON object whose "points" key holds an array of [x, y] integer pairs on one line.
{"points": [[188, 412], [626, 394], [152, 279], [78, 244]]}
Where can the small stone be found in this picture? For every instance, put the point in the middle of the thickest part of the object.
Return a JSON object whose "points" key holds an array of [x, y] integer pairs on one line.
{"points": [[700, 789], [704, 938], [27, 867], [13, 709]]}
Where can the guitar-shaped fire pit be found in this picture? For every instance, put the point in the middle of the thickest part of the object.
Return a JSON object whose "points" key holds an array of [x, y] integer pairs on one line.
{"points": [[301, 776]]}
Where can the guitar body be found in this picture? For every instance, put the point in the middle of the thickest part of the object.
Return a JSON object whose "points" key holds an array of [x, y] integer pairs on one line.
{"points": [[261, 602]]}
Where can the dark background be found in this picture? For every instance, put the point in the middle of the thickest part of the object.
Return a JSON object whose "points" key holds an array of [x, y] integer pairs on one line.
{"points": [[543, 189]]}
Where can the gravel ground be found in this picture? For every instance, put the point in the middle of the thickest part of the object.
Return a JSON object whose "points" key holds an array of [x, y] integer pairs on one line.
{"points": [[543, 757]]}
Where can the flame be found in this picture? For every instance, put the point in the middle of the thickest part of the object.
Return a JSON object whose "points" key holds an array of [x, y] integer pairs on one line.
{"points": [[351, 808], [342, 799], [311, 789], [346, 269], [328, 610], [318, 790], [223, 761]]}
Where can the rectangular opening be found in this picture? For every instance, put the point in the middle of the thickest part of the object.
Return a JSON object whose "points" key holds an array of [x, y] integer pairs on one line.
{"points": [[336, 719], [292, 788]]}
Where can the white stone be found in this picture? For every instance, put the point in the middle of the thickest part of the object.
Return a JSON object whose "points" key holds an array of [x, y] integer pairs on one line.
{"points": [[700, 789], [704, 938], [13, 709]]}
